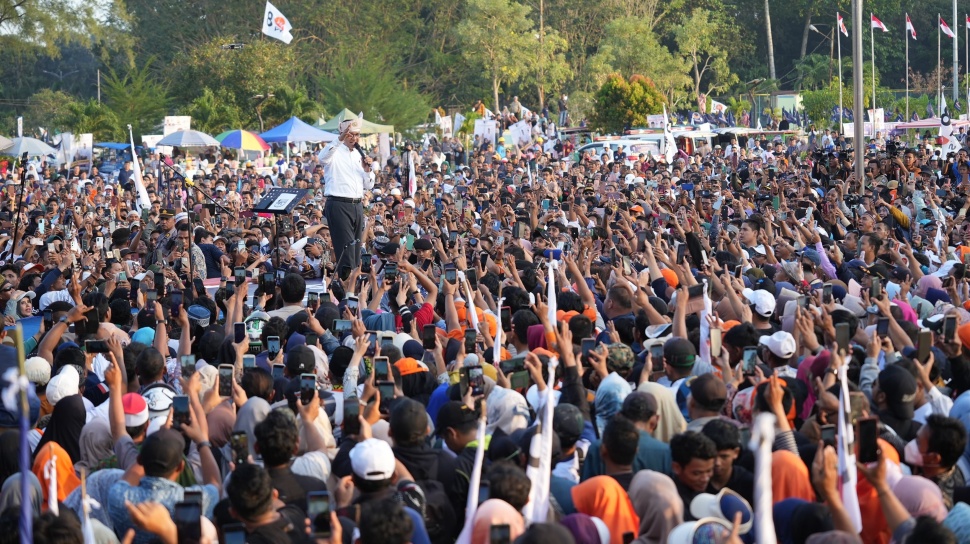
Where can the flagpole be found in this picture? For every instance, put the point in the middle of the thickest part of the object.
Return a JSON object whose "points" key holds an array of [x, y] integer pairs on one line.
{"points": [[956, 63], [966, 47], [838, 37], [872, 53], [907, 66], [939, 64]]}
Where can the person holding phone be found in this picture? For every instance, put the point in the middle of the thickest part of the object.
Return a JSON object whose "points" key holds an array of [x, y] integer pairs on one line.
{"points": [[347, 174]]}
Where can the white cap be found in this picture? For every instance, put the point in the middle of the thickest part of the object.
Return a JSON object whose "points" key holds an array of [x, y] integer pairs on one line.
{"points": [[724, 505], [38, 370], [409, 203], [684, 533], [181, 217], [762, 300], [395, 192], [782, 344], [372, 460], [63, 385]]}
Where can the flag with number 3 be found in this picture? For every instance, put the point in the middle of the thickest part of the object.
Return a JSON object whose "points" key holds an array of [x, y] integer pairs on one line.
{"points": [[276, 25]]}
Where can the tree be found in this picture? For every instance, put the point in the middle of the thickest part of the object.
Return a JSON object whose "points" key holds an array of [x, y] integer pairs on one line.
{"points": [[97, 119], [700, 40], [48, 109], [547, 69], [136, 98], [622, 103], [214, 113], [494, 35], [289, 102], [51, 24], [814, 71]]}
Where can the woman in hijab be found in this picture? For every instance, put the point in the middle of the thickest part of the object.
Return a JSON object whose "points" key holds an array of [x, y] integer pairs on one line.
{"points": [[603, 497], [9, 454], [65, 427], [10, 493], [251, 414], [656, 500], [67, 480], [98, 485], [507, 410], [671, 421], [586, 530], [921, 497], [609, 399], [926, 283], [496, 512], [96, 444], [789, 477]]}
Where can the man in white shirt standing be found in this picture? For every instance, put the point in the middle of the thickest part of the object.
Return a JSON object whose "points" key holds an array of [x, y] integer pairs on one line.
{"points": [[347, 174]]}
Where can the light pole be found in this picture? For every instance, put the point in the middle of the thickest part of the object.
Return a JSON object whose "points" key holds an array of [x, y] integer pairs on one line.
{"points": [[831, 38]]}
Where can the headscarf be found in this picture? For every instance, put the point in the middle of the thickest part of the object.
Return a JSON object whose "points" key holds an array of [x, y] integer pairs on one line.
{"points": [[609, 399], [926, 283], [507, 410], [789, 477], [95, 444], [496, 512], [9, 453], [671, 422], [796, 519], [67, 480], [921, 497], [583, 529], [536, 336], [10, 493], [65, 427], [602, 497], [656, 500], [251, 414], [808, 370], [98, 485]]}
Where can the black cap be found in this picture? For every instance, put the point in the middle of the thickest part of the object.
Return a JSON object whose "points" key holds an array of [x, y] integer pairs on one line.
{"points": [[679, 352], [161, 452], [639, 406], [455, 415], [300, 360], [900, 389], [423, 244], [567, 422]]}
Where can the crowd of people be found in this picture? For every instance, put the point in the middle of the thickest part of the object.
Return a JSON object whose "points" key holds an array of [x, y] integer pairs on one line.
{"points": [[378, 365]]}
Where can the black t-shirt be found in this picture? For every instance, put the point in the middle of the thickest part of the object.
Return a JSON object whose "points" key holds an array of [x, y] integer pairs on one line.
{"points": [[292, 489]]}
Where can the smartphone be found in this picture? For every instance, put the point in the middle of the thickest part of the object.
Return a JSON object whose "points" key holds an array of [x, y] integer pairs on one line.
{"points": [[476, 380], [225, 380], [48, 320], [803, 302], [234, 533], [827, 294], [681, 252], [471, 335], [428, 334], [344, 272], [122, 276], [949, 328], [472, 276], [239, 273], [249, 361], [351, 425], [341, 325], [313, 299], [842, 336], [273, 345], [188, 522], [925, 342], [96, 346], [715, 342], [499, 534], [462, 381], [484, 491], [352, 304], [750, 359], [318, 510], [99, 242], [278, 372], [238, 332], [828, 433], [267, 280], [657, 357], [868, 446], [176, 299], [587, 345], [451, 275], [365, 263], [875, 289], [390, 271], [382, 370], [188, 365], [506, 318], [308, 387], [311, 339], [180, 411], [239, 441], [387, 393], [737, 271], [882, 327], [151, 296]]}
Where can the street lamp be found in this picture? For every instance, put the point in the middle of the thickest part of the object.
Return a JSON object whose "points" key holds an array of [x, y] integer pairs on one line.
{"points": [[831, 38]]}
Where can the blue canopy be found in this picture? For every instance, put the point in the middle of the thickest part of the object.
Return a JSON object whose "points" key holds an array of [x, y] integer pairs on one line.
{"points": [[113, 145], [296, 130]]}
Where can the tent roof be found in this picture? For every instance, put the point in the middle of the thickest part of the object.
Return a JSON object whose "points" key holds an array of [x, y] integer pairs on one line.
{"points": [[295, 130], [368, 127]]}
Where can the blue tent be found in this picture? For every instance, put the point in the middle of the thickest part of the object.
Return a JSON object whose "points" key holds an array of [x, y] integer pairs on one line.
{"points": [[296, 130]]}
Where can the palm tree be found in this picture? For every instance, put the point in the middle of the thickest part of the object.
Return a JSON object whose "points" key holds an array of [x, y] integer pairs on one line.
{"points": [[213, 113], [291, 102], [814, 71], [93, 117]]}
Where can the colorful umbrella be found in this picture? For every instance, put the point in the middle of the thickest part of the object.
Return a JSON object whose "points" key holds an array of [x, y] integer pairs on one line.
{"points": [[242, 139], [189, 138]]}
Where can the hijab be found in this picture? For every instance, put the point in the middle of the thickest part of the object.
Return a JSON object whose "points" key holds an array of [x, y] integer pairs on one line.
{"points": [[584, 529], [789, 477], [98, 485], [602, 497], [9, 453], [609, 399], [809, 369], [496, 512], [671, 422], [921, 497], [67, 479], [251, 414], [536, 336], [96, 444], [926, 283], [656, 500], [10, 493], [65, 427], [507, 410]]}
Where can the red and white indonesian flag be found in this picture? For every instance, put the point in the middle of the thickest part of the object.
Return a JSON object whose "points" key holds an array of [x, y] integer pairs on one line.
{"points": [[968, 21], [276, 25], [876, 23], [910, 27], [946, 29], [841, 24]]}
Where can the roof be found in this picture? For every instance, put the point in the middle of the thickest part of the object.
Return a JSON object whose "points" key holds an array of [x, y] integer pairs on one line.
{"points": [[367, 127]]}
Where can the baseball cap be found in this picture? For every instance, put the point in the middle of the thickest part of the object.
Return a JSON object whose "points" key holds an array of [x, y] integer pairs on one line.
{"points": [[372, 460], [762, 301], [725, 505], [900, 389], [454, 415], [701, 531], [709, 393], [423, 244], [300, 360], [182, 216], [200, 314], [679, 352], [620, 357], [136, 409], [64, 384], [38, 370], [781, 343], [567, 422], [161, 452]]}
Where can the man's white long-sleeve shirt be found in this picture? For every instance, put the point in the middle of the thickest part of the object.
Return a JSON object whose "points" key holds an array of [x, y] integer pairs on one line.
{"points": [[344, 176]]}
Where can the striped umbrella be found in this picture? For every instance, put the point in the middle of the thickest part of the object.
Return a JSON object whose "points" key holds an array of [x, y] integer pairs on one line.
{"points": [[242, 139]]}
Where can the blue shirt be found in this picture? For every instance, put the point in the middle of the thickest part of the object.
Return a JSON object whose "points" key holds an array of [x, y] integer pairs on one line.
{"points": [[160, 490]]}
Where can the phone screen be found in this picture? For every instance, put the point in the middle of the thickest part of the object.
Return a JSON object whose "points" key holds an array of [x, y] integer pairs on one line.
{"points": [[318, 510], [341, 325], [842, 336], [949, 328], [506, 318], [240, 275], [499, 534], [308, 387], [225, 380], [381, 369], [188, 365], [828, 433], [750, 359], [351, 425], [188, 521], [273, 344], [587, 345], [278, 372], [428, 336], [868, 446], [234, 533], [238, 332], [925, 342], [827, 294], [470, 336], [180, 410], [249, 361], [875, 290], [882, 326], [476, 380], [239, 441], [451, 275]]}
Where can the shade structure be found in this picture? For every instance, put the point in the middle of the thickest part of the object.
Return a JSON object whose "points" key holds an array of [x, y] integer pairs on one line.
{"points": [[32, 146], [189, 138], [5, 142], [367, 127], [295, 130], [242, 139]]}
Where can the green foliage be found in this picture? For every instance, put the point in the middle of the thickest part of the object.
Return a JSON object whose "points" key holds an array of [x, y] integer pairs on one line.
{"points": [[493, 36], [818, 104], [704, 41], [97, 119], [214, 113], [815, 71], [136, 98], [622, 103], [48, 109], [291, 102]]}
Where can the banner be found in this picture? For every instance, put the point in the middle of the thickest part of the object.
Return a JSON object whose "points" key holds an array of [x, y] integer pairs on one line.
{"points": [[487, 129], [655, 121], [84, 149], [718, 108], [521, 133], [459, 121], [175, 123], [446, 129], [276, 25]]}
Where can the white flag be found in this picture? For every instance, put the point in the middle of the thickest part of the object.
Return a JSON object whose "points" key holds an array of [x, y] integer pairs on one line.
{"points": [[669, 143], [848, 474], [276, 25], [143, 202]]}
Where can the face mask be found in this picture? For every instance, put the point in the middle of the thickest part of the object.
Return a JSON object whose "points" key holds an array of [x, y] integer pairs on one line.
{"points": [[912, 455]]}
